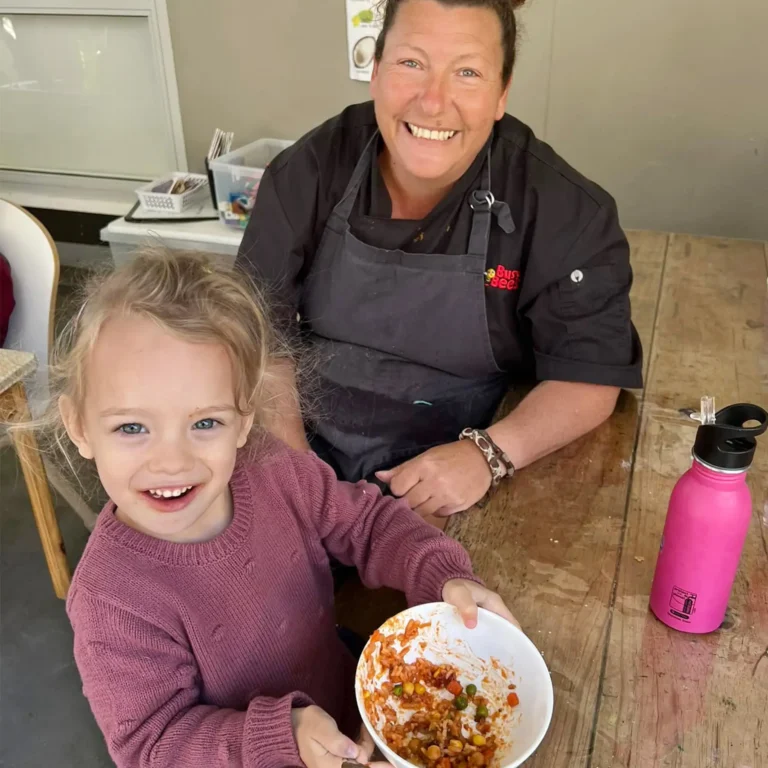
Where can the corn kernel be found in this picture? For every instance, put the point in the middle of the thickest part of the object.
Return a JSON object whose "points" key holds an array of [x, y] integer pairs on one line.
{"points": [[454, 745], [408, 688], [478, 740], [420, 689], [434, 752]]}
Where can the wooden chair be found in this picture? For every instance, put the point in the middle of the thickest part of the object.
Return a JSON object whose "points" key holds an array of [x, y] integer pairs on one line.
{"points": [[14, 368], [34, 261]]}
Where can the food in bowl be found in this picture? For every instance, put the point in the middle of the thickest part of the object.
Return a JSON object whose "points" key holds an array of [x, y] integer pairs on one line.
{"points": [[493, 656], [431, 716]]}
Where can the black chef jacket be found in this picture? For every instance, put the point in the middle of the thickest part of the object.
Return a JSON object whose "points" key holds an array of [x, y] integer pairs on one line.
{"points": [[557, 288]]}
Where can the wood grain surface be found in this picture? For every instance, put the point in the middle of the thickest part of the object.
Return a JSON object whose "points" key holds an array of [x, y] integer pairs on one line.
{"points": [[549, 542], [668, 698]]}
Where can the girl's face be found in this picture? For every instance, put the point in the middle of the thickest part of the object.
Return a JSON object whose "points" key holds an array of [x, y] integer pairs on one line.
{"points": [[159, 420]]}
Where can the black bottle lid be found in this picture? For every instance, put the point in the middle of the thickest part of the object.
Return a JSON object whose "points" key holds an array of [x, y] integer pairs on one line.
{"points": [[728, 444]]}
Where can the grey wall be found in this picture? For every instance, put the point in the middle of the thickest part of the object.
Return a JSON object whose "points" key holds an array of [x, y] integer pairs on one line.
{"points": [[665, 104]]}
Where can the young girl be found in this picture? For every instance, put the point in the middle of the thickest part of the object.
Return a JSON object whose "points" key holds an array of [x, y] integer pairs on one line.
{"points": [[203, 604]]}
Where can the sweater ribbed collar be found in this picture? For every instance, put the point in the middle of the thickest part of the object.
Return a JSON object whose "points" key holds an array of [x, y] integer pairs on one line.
{"points": [[192, 554]]}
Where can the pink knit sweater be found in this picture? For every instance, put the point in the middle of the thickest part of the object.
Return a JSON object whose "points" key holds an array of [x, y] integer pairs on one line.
{"points": [[195, 654]]}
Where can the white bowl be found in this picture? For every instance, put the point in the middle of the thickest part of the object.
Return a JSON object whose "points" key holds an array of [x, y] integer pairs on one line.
{"points": [[480, 655]]}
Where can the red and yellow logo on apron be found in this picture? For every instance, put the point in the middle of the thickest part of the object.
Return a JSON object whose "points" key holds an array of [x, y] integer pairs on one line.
{"points": [[502, 278]]}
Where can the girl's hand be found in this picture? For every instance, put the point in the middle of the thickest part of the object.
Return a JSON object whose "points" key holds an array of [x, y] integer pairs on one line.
{"points": [[368, 748], [468, 595], [321, 744]]}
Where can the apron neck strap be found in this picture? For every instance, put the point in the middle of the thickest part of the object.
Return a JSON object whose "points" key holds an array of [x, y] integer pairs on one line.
{"points": [[484, 205], [347, 202]]}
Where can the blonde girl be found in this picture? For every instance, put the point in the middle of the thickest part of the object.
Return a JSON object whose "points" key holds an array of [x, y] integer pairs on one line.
{"points": [[202, 607]]}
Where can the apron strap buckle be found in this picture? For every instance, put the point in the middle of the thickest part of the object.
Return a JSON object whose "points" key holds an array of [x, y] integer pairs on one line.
{"points": [[481, 200]]}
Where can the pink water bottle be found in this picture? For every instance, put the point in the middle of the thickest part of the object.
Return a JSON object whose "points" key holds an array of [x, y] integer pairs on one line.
{"points": [[707, 522]]}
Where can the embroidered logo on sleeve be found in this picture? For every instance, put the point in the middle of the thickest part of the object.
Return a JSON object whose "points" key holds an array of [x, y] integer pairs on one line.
{"points": [[502, 278]]}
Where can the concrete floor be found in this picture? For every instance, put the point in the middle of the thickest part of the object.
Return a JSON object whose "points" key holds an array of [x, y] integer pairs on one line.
{"points": [[44, 718]]}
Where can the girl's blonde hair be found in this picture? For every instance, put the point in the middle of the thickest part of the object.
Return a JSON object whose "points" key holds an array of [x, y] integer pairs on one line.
{"points": [[193, 296]]}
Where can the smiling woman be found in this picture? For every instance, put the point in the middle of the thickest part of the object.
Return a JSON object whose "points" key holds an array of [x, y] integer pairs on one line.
{"points": [[449, 90], [431, 245]]}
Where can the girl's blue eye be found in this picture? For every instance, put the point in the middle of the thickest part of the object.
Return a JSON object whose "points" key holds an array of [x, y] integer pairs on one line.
{"points": [[205, 424], [131, 429]]}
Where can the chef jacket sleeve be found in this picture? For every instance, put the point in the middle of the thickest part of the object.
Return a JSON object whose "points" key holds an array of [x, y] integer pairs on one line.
{"points": [[279, 241], [580, 323]]}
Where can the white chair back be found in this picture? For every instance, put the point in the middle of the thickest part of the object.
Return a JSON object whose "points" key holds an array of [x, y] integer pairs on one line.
{"points": [[34, 261]]}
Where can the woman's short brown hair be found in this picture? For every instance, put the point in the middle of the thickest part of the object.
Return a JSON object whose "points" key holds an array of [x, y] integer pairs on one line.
{"points": [[504, 9]]}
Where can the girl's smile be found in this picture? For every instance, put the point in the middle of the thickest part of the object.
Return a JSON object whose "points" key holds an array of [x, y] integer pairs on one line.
{"points": [[170, 499]]}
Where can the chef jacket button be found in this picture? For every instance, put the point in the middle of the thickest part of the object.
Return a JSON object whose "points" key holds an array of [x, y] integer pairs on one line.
{"points": [[577, 276]]}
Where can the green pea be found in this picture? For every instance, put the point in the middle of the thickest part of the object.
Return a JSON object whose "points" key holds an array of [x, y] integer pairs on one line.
{"points": [[460, 702], [398, 690], [471, 689], [482, 712]]}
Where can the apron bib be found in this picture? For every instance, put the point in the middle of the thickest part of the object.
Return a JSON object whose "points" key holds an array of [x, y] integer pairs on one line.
{"points": [[403, 355]]}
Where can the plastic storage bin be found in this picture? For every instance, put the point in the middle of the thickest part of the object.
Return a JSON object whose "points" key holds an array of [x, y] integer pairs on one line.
{"points": [[236, 177], [125, 237]]}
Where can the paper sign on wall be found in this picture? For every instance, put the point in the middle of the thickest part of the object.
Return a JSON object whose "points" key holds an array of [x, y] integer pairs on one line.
{"points": [[363, 25]]}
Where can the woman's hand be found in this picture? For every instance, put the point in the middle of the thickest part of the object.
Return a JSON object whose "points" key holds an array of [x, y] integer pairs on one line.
{"points": [[441, 481], [468, 595]]}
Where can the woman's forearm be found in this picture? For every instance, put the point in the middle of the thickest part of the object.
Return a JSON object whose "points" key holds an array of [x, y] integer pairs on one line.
{"points": [[283, 411], [552, 415]]}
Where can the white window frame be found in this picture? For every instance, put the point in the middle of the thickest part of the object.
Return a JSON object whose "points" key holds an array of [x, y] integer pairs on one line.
{"points": [[91, 193]]}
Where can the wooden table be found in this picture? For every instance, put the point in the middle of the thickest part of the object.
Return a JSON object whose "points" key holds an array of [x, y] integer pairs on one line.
{"points": [[571, 543]]}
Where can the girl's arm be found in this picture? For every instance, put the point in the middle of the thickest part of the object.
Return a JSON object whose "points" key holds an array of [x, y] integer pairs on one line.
{"points": [[381, 536], [142, 686]]}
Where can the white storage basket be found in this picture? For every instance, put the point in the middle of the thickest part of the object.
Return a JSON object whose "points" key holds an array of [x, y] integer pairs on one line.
{"points": [[162, 202]]}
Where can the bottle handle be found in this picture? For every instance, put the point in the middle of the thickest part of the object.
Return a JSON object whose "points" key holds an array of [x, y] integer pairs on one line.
{"points": [[732, 418]]}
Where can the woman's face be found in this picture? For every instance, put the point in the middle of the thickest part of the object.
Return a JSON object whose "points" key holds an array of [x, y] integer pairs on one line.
{"points": [[437, 89]]}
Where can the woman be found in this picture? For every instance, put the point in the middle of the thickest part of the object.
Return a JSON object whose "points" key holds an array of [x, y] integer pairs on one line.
{"points": [[436, 251]]}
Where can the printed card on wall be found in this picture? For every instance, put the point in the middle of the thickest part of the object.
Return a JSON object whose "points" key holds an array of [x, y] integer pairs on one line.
{"points": [[363, 25]]}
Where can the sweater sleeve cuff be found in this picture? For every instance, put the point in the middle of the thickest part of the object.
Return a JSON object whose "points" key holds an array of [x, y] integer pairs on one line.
{"points": [[269, 736], [450, 563]]}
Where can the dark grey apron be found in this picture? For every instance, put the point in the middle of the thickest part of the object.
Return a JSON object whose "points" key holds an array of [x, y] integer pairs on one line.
{"points": [[404, 359]]}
